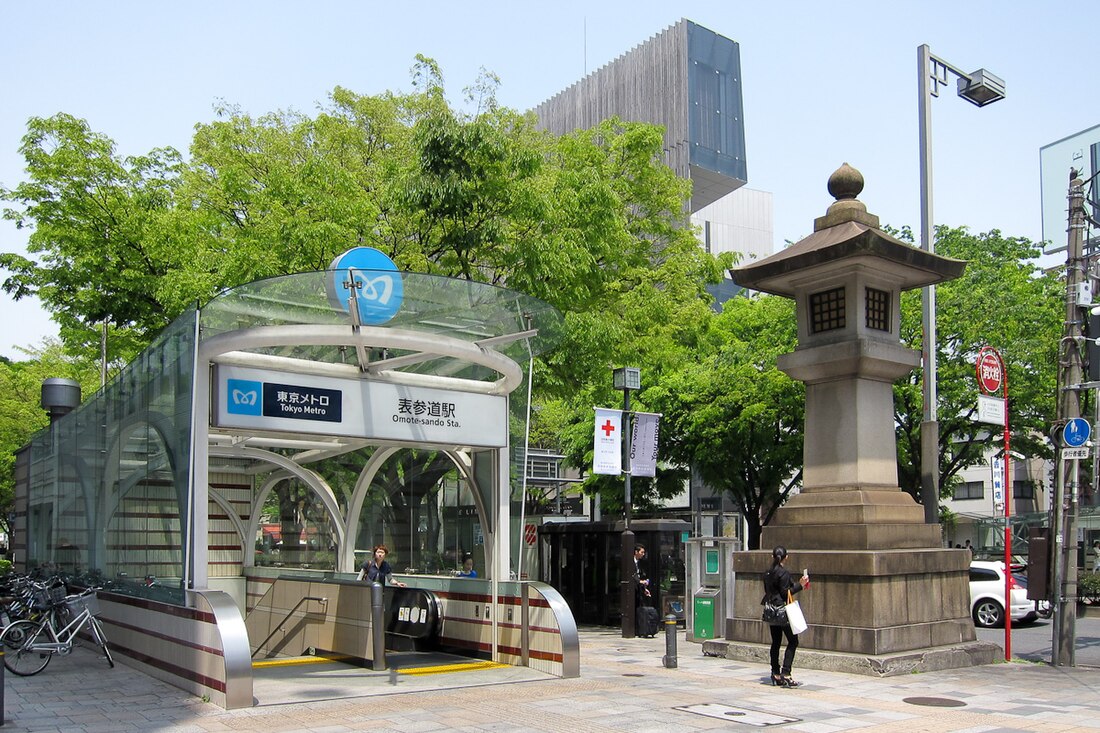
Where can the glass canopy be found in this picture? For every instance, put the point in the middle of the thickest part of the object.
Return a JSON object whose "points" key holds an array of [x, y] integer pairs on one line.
{"points": [[511, 323]]}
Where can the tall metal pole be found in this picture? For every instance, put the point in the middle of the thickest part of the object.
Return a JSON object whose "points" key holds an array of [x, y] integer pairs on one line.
{"points": [[1069, 403], [929, 427], [1008, 521], [626, 598]]}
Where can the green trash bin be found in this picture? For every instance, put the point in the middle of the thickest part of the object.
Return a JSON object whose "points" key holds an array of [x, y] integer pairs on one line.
{"points": [[705, 613]]}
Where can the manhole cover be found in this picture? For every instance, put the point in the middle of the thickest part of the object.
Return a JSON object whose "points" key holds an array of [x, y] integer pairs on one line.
{"points": [[935, 702], [744, 716]]}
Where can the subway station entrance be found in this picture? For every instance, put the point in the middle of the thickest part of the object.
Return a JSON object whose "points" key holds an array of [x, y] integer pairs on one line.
{"points": [[268, 441]]}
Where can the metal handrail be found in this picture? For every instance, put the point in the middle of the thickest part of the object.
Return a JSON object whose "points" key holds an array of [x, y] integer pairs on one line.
{"points": [[289, 613]]}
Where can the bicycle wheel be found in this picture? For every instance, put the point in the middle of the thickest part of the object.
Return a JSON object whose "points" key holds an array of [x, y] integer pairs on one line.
{"points": [[101, 639], [17, 641]]}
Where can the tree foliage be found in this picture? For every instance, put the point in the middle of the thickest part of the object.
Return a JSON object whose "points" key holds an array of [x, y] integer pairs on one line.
{"points": [[593, 222], [733, 416], [1002, 300]]}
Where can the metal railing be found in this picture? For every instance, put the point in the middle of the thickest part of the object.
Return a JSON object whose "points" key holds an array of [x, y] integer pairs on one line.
{"points": [[285, 618]]}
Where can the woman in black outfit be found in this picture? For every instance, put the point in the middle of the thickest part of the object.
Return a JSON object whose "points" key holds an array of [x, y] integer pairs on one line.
{"points": [[777, 582]]}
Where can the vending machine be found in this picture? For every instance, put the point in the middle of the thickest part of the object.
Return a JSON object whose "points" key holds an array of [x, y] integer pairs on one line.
{"points": [[710, 584]]}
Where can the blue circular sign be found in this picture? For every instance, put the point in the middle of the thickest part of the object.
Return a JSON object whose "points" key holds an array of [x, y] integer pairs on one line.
{"points": [[1076, 432], [377, 282]]}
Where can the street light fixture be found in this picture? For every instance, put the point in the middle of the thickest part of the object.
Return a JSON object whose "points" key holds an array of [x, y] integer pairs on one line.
{"points": [[979, 88]]}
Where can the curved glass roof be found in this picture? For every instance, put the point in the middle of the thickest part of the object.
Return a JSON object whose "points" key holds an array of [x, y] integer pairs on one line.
{"points": [[506, 321]]}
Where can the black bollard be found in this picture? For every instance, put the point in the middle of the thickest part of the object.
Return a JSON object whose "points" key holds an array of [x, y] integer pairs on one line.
{"points": [[670, 642], [378, 628]]}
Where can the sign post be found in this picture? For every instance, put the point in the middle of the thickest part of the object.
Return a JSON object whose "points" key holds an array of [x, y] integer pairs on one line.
{"points": [[992, 377]]}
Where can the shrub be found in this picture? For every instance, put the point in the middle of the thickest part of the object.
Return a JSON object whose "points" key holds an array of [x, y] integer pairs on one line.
{"points": [[1088, 586]]}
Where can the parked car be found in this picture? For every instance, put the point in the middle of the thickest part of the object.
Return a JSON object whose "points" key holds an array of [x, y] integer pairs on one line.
{"points": [[987, 595]]}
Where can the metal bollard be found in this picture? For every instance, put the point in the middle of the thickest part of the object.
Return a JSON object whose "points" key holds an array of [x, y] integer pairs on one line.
{"points": [[669, 659], [378, 628]]}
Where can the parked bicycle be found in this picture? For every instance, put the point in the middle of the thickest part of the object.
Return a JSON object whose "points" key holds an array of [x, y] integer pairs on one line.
{"points": [[30, 644], [22, 596]]}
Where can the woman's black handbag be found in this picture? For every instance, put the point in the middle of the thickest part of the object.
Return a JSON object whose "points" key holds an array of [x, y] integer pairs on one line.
{"points": [[775, 611]]}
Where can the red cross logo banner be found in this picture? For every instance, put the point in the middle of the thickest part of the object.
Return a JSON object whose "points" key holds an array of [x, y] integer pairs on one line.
{"points": [[607, 451]]}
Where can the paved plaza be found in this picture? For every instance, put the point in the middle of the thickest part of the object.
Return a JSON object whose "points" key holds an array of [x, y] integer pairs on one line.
{"points": [[623, 686]]}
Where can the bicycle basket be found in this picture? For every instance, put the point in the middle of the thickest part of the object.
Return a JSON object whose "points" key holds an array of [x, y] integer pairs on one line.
{"points": [[44, 598], [75, 605]]}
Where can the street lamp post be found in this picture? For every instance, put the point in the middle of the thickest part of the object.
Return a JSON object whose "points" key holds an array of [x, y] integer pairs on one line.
{"points": [[979, 88], [627, 379]]}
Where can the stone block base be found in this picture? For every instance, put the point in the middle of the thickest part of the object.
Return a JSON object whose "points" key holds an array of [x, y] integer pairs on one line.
{"points": [[864, 603], [954, 656]]}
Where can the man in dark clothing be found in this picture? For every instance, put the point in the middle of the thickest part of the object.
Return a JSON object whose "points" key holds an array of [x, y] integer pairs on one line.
{"points": [[641, 585]]}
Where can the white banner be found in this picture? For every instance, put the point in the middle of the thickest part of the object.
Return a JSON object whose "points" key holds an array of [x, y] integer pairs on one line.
{"points": [[643, 444], [607, 451]]}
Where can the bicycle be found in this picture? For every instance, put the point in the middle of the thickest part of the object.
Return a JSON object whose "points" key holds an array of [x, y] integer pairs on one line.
{"points": [[29, 645]]}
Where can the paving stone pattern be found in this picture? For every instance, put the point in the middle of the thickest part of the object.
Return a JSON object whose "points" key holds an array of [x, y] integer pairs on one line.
{"points": [[623, 687]]}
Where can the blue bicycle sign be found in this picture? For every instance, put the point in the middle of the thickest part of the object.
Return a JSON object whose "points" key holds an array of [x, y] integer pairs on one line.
{"points": [[1076, 432]]}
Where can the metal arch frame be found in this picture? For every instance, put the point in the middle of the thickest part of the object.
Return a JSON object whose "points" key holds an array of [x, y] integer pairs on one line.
{"points": [[258, 506], [346, 563], [463, 463], [221, 347], [293, 470], [232, 348], [110, 500], [234, 519]]}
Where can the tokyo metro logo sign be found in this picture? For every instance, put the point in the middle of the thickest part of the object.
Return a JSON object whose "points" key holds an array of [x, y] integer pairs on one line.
{"points": [[244, 397], [379, 289]]}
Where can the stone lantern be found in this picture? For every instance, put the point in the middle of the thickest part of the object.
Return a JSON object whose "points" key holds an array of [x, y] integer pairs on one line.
{"points": [[881, 582]]}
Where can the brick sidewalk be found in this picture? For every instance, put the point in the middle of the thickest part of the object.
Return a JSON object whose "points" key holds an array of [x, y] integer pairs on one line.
{"points": [[623, 687]]}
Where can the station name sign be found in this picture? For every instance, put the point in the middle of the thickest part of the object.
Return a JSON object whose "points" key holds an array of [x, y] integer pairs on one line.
{"points": [[268, 400]]}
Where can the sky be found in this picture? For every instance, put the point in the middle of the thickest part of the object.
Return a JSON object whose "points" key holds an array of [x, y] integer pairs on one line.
{"points": [[822, 84]]}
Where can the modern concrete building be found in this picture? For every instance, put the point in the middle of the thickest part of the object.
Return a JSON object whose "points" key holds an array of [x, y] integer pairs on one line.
{"points": [[687, 79]]}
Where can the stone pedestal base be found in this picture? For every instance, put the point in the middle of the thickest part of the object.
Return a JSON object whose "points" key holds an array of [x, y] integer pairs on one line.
{"points": [[852, 518], [956, 656], [869, 603]]}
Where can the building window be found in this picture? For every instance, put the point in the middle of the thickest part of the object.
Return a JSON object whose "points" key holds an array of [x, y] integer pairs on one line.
{"points": [[878, 309], [970, 490], [1023, 489], [827, 310]]}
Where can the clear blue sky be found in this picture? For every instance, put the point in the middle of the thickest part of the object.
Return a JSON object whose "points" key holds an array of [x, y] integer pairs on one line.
{"points": [[823, 83]]}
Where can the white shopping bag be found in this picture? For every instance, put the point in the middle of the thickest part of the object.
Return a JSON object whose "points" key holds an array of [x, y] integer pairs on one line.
{"points": [[795, 618]]}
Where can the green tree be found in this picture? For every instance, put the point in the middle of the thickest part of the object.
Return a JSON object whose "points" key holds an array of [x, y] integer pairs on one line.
{"points": [[733, 416], [90, 216], [593, 222], [1002, 300]]}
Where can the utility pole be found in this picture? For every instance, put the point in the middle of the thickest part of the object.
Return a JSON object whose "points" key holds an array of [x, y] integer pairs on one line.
{"points": [[1069, 407]]}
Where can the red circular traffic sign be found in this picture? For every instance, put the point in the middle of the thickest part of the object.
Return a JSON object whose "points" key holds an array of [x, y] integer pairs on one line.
{"points": [[990, 371]]}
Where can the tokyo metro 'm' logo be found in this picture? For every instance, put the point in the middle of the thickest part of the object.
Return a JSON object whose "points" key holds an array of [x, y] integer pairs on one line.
{"points": [[371, 279], [243, 397]]}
